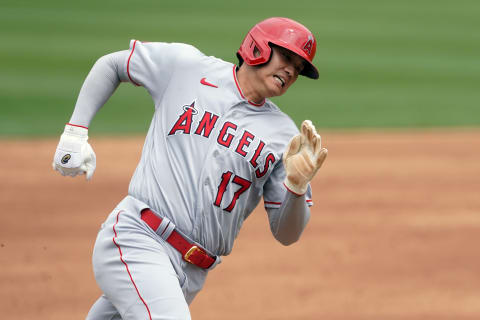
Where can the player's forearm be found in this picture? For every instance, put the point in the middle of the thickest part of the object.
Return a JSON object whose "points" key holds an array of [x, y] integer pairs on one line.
{"points": [[290, 219], [100, 84]]}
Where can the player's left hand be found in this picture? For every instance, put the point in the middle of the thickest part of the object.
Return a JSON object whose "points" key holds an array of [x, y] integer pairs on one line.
{"points": [[74, 155], [303, 157]]}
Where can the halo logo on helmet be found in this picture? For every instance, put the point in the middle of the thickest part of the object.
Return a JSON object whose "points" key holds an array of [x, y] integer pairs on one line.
{"points": [[286, 33]]}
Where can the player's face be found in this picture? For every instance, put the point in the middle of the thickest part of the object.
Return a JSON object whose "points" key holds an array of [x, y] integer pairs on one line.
{"points": [[280, 72]]}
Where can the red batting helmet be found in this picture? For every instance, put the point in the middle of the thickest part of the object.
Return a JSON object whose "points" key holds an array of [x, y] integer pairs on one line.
{"points": [[282, 32]]}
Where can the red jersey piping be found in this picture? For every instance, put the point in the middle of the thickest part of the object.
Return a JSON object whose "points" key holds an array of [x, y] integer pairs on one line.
{"points": [[128, 64], [126, 266], [76, 125], [309, 201], [271, 202], [240, 90]]}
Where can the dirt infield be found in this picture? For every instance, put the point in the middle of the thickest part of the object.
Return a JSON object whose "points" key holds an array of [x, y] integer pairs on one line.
{"points": [[394, 234]]}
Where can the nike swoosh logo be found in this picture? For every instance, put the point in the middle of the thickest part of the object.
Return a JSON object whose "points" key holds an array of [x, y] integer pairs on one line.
{"points": [[205, 83]]}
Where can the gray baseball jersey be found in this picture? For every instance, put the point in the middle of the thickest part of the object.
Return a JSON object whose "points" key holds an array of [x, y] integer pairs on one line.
{"points": [[210, 154]]}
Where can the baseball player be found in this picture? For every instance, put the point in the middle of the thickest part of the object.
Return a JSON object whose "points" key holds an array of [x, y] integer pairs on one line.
{"points": [[216, 145]]}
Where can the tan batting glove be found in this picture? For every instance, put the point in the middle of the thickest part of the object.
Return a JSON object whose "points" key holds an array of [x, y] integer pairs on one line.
{"points": [[74, 155], [302, 158]]}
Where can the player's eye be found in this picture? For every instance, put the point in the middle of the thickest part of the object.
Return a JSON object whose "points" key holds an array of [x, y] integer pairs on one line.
{"points": [[299, 67], [287, 56], [290, 58]]}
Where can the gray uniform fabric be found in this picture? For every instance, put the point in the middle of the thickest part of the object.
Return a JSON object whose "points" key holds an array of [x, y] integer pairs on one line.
{"points": [[210, 155]]}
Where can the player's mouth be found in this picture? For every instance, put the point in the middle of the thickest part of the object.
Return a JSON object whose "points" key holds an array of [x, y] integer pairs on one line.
{"points": [[279, 80]]}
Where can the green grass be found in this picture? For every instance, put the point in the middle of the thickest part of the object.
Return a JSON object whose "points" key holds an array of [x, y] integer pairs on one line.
{"points": [[383, 64]]}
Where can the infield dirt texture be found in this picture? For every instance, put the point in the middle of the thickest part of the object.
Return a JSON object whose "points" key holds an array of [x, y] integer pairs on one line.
{"points": [[395, 225], [394, 234]]}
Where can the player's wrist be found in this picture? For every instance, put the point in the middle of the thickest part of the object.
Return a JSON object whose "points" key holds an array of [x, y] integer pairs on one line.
{"points": [[296, 189], [76, 130]]}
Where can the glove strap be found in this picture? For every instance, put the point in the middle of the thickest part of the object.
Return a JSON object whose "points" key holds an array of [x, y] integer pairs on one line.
{"points": [[293, 189], [76, 130]]}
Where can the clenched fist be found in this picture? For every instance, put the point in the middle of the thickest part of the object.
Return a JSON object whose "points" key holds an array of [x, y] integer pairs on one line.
{"points": [[74, 155], [302, 158]]}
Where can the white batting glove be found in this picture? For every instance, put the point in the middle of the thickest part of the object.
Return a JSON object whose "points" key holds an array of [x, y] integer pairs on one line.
{"points": [[302, 158], [74, 155]]}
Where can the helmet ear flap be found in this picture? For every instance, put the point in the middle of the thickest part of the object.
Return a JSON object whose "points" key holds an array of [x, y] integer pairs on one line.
{"points": [[254, 52]]}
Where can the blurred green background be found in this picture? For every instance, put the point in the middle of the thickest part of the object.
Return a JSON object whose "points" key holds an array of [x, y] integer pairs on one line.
{"points": [[383, 64]]}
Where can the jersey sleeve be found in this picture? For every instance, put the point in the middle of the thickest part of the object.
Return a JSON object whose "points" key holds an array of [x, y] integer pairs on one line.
{"points": [[152, 64], [274, 190]]}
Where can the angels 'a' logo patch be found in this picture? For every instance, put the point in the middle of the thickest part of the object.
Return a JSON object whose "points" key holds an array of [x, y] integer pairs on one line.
{"points": [[66, 158], [307, 47]]}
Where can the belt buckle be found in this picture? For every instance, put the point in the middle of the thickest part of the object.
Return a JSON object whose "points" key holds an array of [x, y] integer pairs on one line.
{"points": [[190, 252]]}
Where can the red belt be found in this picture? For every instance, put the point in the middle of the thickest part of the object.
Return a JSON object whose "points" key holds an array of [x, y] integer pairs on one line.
{"points": [[190, 252]]}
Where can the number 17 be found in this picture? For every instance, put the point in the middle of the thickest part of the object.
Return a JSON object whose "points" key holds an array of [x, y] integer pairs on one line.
{"points": [[243, 183]]}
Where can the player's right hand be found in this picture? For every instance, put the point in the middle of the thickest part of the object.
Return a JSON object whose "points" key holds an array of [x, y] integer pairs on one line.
{"points": [[74, 155], [302, 158]]}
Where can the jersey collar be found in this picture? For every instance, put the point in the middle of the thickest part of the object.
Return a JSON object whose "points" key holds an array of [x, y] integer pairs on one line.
{"points": [[240, 90]]}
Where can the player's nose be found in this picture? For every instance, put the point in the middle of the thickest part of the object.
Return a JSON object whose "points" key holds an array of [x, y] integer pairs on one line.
{"points": [[289, 70]]}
